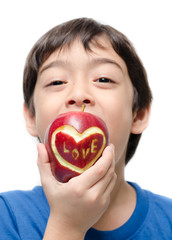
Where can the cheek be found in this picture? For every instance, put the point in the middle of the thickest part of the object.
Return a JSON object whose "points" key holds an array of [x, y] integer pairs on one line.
{"points": [[45, 112], [42, 124], [119, 125], [121, 132]]}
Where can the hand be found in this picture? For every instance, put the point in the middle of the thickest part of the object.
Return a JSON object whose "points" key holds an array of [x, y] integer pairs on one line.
{"points": [[78, 204]]}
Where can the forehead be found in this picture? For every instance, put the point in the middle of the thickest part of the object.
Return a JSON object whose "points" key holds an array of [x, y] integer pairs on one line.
{"points": [[100, 51]]}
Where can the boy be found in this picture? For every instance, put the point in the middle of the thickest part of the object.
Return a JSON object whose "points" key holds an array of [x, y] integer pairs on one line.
{"points": [[84, 62]]}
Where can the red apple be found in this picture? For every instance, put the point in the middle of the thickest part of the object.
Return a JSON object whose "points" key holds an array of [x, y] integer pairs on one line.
{"points": [[74, 142]]}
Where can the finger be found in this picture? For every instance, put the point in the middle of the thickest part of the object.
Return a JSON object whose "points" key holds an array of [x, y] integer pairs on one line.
{"points": [[113, 152], [42, 154], [104, 184], [43, 163], [110, 186], [99, 169], [112, 180], [106, 196]]}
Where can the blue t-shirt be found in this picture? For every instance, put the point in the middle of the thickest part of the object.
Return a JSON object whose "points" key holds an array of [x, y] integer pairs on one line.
{"points": [[24, 215]]}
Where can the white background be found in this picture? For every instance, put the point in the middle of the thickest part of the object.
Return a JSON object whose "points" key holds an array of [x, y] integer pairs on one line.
{"points": [[147, 23]]}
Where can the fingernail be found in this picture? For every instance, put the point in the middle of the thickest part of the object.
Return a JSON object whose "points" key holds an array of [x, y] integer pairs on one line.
{"points": [[112, 147]]}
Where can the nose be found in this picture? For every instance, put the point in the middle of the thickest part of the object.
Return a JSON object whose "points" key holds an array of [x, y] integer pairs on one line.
{"points": [[80, 96]]}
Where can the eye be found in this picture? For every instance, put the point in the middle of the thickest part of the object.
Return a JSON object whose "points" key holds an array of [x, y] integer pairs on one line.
{"points": [[56, 83], [104, 80]]}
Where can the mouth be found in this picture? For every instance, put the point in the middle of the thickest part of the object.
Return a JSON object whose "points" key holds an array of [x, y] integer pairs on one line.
{"points": [[83, 108], [75, 140]]}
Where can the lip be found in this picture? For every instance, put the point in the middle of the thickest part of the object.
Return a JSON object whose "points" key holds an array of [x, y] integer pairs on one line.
{"points": [[86, 110]]}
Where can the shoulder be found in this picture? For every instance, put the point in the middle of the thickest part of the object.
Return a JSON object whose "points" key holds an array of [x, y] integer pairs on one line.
{"points": [[160, 204], [159, 200], [22, 193], [156, 212], [157, 205], [24, 208], [159, 217], [24, 199], [155, 200]]}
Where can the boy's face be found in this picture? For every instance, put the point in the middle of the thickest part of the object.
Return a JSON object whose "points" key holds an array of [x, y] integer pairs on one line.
{"points": [[98, 78]]}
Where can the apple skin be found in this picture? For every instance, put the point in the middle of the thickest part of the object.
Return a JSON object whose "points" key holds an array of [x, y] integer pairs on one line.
{"points": [[75, 141]]}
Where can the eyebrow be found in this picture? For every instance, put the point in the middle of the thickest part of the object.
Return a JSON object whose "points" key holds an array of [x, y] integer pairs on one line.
{"points": [[93, 63], [57, 63], [99, 61]]}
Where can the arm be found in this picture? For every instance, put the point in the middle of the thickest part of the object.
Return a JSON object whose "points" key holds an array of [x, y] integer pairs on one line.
{"points": [[77, 205]]}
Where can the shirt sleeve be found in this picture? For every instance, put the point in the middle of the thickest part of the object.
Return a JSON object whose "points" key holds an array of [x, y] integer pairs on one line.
{"points": [[8, 226]]}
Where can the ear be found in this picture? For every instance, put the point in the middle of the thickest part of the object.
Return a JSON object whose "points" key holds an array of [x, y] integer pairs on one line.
{"points": [[140, 120], [30, 121]]}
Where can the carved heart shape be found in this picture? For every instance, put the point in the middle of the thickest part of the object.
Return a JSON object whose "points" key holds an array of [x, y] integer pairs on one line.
{"points": [[77, 151]]}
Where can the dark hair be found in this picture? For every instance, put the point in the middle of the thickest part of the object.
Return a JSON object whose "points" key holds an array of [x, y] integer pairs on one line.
{"points": [[87, 30]]}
